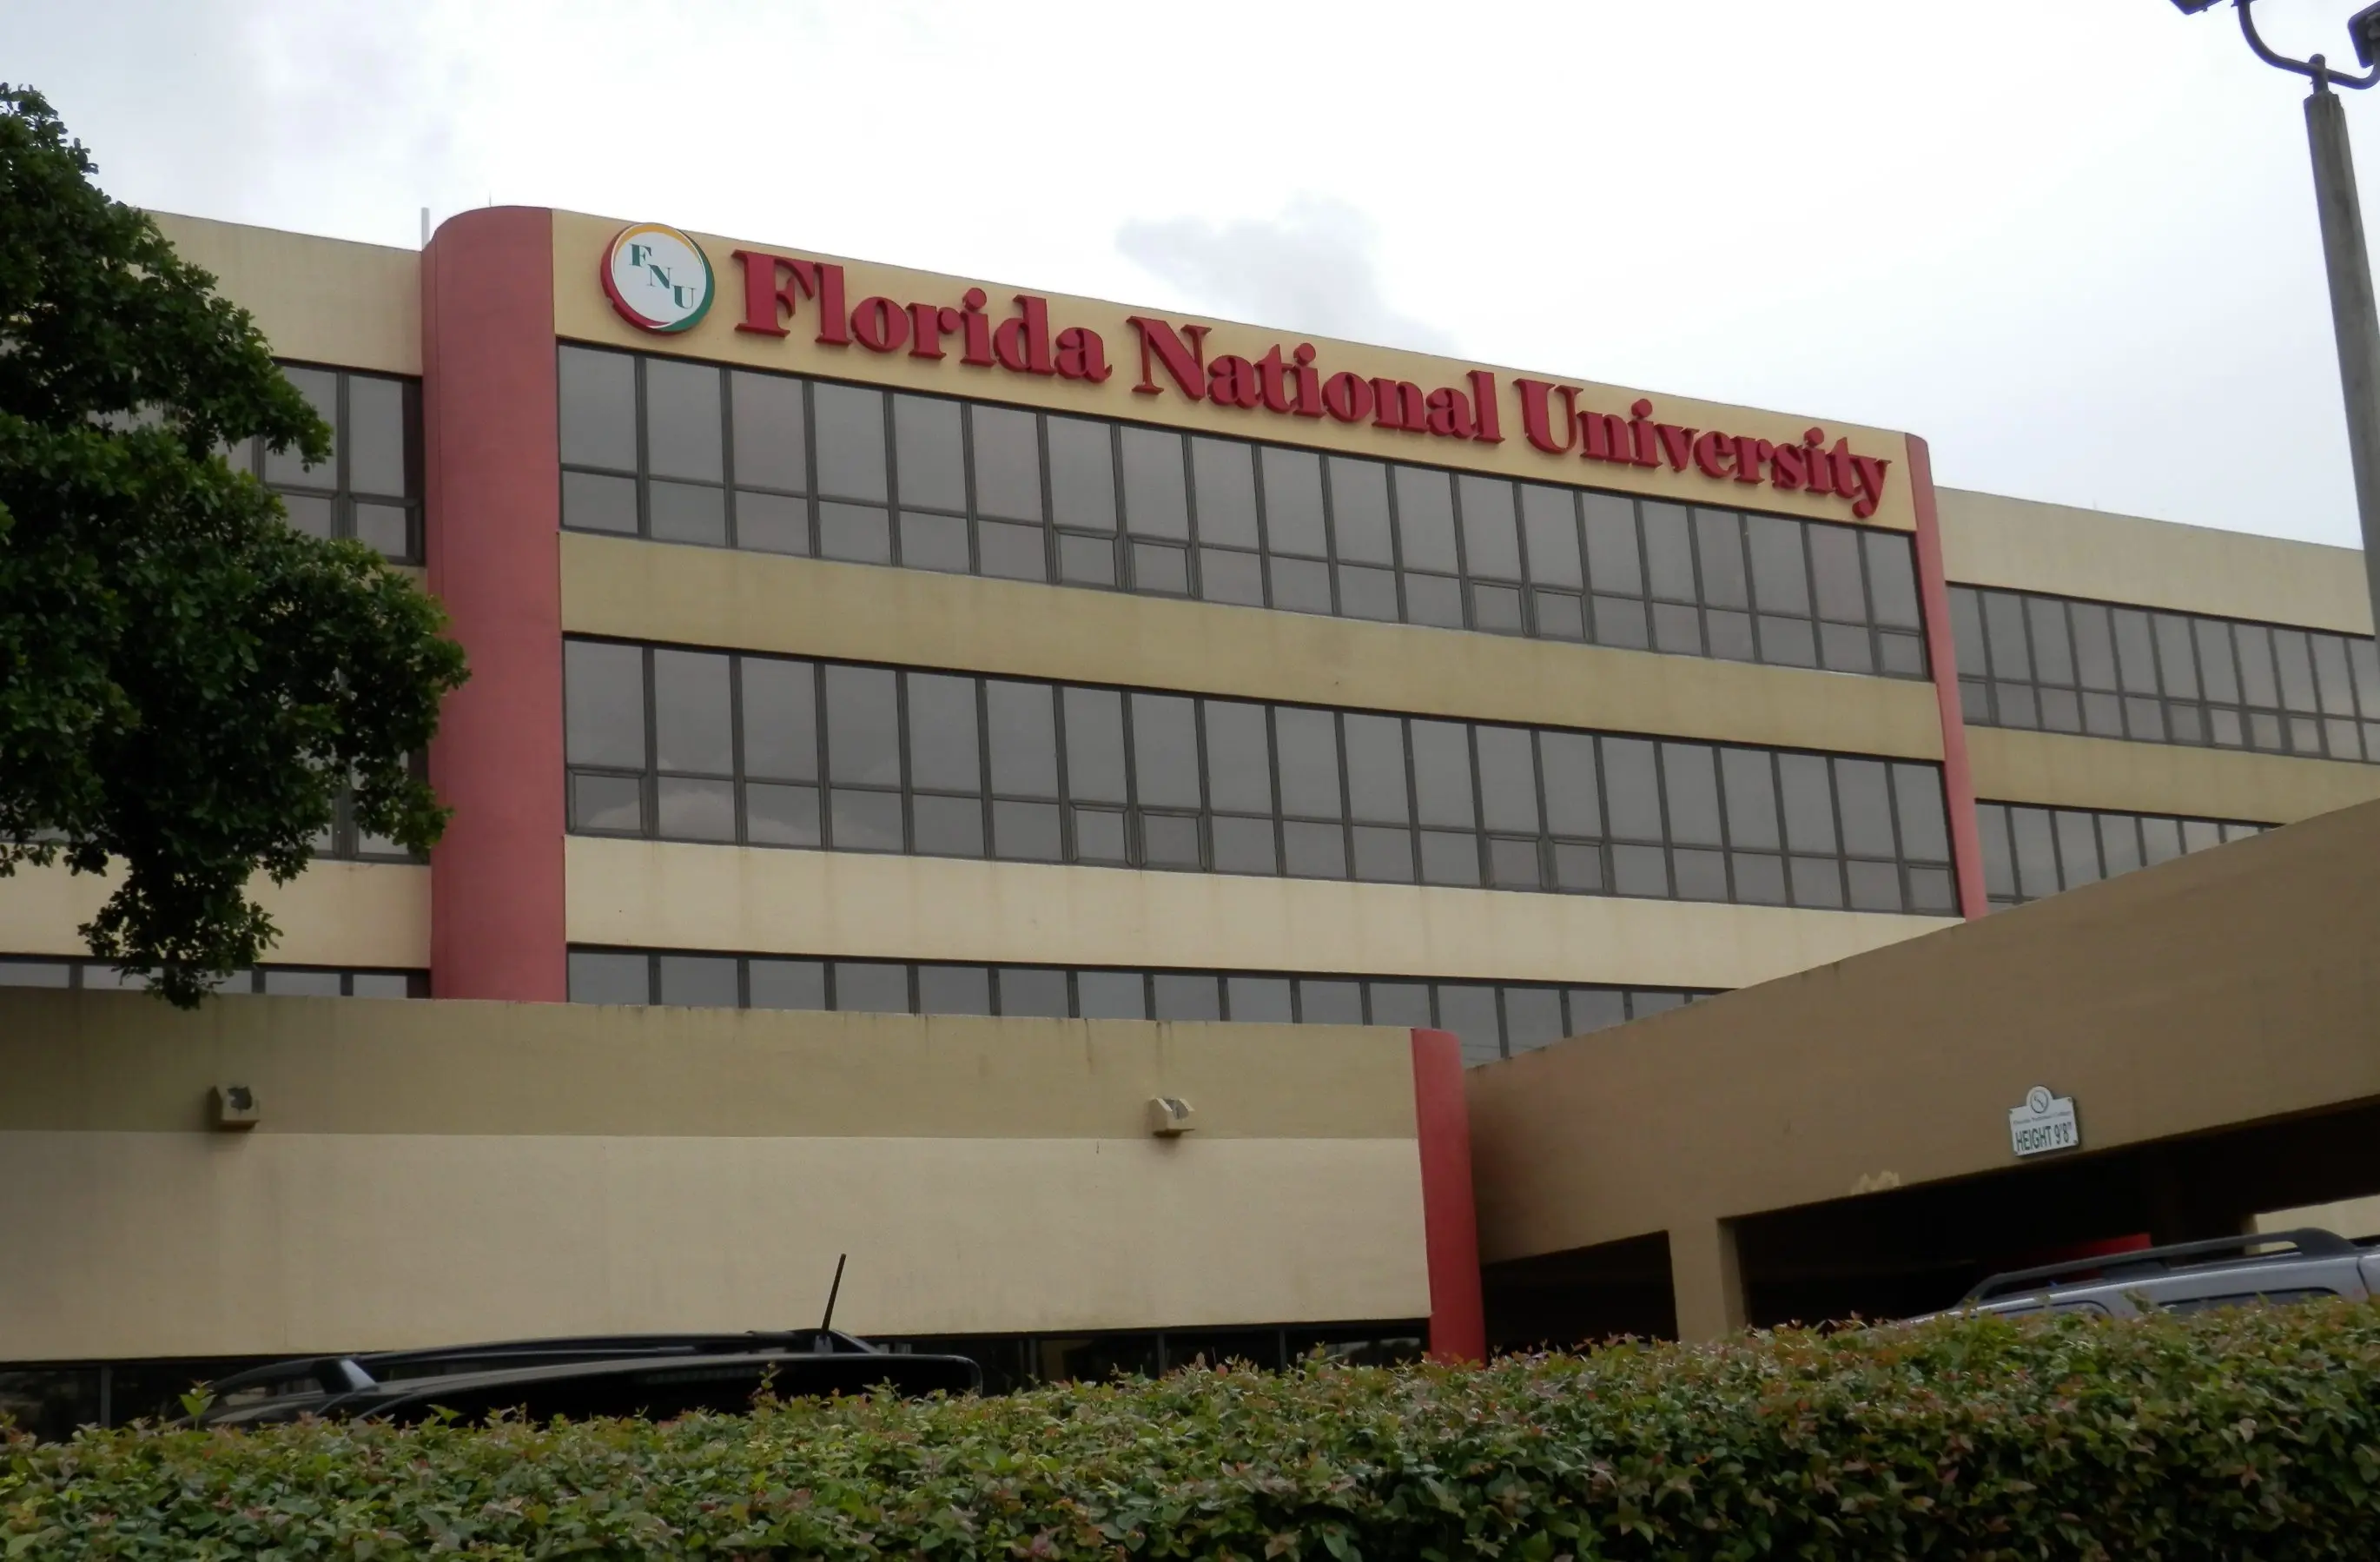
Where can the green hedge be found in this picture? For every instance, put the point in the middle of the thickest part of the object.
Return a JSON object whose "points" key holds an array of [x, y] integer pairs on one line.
{"points": [[2236, 1434]]}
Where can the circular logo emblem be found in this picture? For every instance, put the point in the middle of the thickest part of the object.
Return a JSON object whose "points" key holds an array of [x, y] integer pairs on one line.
{"points": [[658, 278], [2036, 1100]]}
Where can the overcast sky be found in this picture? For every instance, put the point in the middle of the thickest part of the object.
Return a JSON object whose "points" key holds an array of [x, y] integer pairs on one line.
{"points": [[2072, 242]]}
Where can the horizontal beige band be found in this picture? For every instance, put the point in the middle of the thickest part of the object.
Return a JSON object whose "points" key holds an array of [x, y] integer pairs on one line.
{"points": [[160, 1245], [2022, 546], [2069, 771], [123, 1062], [320, 301], [369, 915], [808, 608], [758, 901]]}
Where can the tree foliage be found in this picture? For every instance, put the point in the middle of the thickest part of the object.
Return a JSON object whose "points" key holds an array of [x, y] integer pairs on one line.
{"points": [[2246, 1434], [186, 682]]}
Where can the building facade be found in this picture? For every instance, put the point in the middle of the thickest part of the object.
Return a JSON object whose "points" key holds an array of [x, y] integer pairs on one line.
{"points": [[853, 639]]}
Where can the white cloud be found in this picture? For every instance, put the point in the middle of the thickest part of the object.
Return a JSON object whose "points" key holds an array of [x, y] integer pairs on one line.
{"points": [[2073, 245], [1314, 268]]}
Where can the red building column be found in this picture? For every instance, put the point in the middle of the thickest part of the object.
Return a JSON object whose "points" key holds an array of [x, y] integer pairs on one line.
{"points": [[1941, 651], [1458, 1324], [491, 462]]}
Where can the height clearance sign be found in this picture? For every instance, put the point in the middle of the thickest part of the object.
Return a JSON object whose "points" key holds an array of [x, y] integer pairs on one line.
{"points": [[660, 280]]}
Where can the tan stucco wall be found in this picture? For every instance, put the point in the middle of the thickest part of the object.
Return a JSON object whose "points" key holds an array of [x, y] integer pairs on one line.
{"points": [[2235, 986], [582, 312], [1988, 540], [434, 1172], [361, 914], [2349, 1217], [799, 606], [322, 300], [754, 900], [120, 1062], [2069, 771]]}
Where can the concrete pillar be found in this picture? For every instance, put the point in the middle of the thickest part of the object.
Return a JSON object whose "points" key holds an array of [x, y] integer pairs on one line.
{"points": [[1705, 1281]]}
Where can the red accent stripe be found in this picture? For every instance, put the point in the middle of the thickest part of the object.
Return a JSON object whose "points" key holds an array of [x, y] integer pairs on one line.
{"points": [[492, 458], [1458, 1324], [1941, 649]]}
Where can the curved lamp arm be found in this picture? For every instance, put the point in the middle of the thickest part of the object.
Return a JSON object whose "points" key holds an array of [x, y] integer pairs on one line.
{"points": [[2317, 69]]}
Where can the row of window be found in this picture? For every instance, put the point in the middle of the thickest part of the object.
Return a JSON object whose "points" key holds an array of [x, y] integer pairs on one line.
{"points": [[694, 745], [300, 982], [1494, 1020], [370, 486], [345, 840], [691, 453], [2064, 665], [2032, 852]]}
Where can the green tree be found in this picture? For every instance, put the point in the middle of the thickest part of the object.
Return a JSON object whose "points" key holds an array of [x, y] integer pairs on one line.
{"points": [[186, 682]]}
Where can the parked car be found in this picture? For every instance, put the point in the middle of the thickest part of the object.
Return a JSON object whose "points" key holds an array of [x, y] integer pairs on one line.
{"points": [[655, 1375], [2272, 1266]]}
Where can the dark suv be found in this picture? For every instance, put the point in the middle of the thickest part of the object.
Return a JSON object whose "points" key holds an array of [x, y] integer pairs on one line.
{"points": [[654, 1375]]}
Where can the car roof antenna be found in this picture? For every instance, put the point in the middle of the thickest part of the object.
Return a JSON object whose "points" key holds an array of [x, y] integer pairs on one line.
{"points": [[827, 1322]]}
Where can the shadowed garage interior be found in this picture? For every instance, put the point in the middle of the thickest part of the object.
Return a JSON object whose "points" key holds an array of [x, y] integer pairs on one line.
{"points": [[1836, 1144]]}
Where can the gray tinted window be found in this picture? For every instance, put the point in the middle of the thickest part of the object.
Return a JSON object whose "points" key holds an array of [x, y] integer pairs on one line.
{"points": [[600, 978], [1024, 739], [943, 752], [693, 729], [377, 437], [1292, 501], [850, 440], [1549, 520], [1689, 779], [930, 461], [1095, 744], [683, 428], [1224, 480], [772, 446], [1491, 546], [604, 685], [598, 394], [1155, 501], [1634, 788], [1239, 758], [1309, 761], [1375, 768], [1359, 510], [1442, 760], [1007, 463], [1508, 780], [1165, 749], [780, 719], [1082, 474], [1425, 520], [863, 734]]}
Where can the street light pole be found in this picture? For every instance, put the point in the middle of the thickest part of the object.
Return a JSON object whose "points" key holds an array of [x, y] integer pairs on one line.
{"points": [[2352, 316], [2354, 322]]}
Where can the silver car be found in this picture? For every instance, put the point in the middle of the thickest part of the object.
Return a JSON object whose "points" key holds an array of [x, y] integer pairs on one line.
{"points": [[2271, 1266]]}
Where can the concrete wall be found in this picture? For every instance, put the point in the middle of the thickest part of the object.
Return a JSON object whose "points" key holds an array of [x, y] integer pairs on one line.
{"points": [[429, 1172], [2069, 771], [1988, 540], [2233, 986], [759, 899], [349, 914], [320, 301]]}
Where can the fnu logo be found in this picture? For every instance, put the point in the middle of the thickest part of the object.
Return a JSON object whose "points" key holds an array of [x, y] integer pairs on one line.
{"points": [[658, 278]]}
